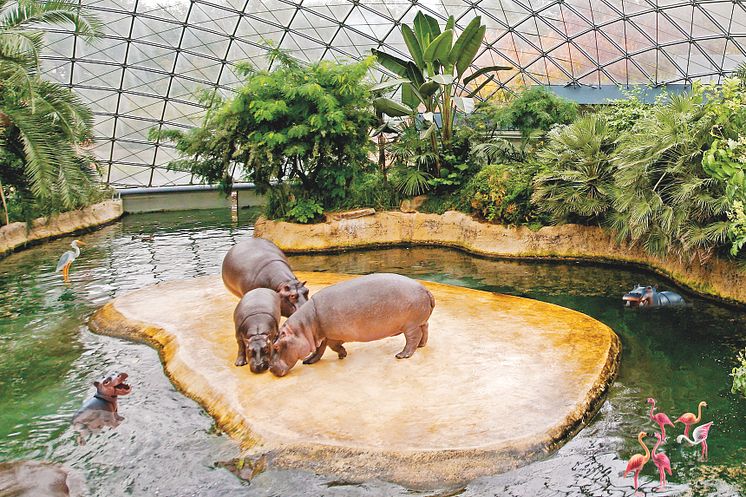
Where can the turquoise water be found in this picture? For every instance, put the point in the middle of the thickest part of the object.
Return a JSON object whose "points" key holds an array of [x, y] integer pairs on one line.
{"points": [[168, 446]]}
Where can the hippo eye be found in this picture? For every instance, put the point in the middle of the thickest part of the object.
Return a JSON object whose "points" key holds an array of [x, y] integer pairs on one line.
{"points": [[107, 381]]}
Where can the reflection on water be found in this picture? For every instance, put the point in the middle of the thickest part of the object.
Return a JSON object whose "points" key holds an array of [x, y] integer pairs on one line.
{"points": [[168, 446]]}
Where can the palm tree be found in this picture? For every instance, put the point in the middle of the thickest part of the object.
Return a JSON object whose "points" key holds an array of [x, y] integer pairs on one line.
{"points": [[579, 179], [44, 121]]}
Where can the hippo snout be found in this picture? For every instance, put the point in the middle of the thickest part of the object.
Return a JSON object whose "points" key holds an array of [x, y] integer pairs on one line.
{"points": [[278, 369]]}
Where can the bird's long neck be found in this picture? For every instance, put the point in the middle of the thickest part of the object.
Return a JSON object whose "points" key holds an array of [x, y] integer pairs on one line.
{"points": [[647, 451], [655, 447], [699, 413], [652, 409]]}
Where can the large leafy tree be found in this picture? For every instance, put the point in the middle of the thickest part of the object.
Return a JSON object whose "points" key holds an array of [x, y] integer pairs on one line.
{"points": [[307, 124], [43, 125], [435, 77]]}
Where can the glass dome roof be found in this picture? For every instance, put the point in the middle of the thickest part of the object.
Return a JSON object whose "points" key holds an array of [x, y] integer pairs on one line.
{"points": [[155, 53]]}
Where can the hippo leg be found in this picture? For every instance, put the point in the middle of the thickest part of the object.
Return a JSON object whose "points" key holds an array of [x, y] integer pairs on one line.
{"points": [[241, 357], [336, 346], [314, 358], [413, 337], [423, 340]]}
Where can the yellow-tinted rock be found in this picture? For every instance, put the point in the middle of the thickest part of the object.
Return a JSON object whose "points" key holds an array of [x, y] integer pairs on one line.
{"points": [[717, 277], [501, 381]]}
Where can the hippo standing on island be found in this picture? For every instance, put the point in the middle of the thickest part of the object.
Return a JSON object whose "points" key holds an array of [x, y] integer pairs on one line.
{"points": [[259, 263], [363, 309], [257, 317], [642, 296]]}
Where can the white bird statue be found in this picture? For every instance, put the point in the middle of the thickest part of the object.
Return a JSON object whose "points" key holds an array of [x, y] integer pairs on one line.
{"points": [[67, 259], [700, 437]]}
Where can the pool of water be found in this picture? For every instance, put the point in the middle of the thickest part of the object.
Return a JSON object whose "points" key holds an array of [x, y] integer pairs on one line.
{"points": [[168, 446]]}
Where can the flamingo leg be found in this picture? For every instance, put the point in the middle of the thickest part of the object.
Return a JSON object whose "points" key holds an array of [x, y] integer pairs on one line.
{"points": [[686, 430], [637, 473], [663, 432], [663, 477], [704, 450]]}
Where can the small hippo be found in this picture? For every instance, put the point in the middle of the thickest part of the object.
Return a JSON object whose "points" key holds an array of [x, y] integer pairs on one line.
{"points": [[257, 317], [648, 296], [101, 409], [36, 479], [259, 263], [363, 309]]}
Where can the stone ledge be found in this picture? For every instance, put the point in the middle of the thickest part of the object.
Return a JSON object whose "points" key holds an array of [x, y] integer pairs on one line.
{"points": [[445, 416], [15, 235], [717, 278]]}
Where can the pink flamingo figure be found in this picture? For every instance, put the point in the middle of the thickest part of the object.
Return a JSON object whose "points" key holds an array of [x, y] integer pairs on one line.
{"points": [[700, 437], [661, 461], [689, 419], [659, 418], [638, 461]]}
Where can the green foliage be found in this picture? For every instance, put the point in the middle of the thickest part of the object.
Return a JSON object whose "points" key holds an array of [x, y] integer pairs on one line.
{"points": [[577, 184], [435, 74], [500, 193], [305, 124], [725, 160], [304, 210], [537, 110], [412, 161], [739, 374], [622, 115], [665, 201], [43, 126], [371, 190], [737, 228]]}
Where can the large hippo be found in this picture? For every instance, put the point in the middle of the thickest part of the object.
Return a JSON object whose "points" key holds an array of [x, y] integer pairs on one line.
{"points": [[648, 296], [101, 410], [259, 263], [359, 310], [257, 317]]}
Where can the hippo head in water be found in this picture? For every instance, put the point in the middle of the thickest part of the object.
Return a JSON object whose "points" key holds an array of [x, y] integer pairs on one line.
{"points": [[635, 297], [293, 294], [112, 385]]}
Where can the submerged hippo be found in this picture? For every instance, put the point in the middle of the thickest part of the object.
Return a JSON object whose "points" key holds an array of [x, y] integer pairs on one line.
{"points": [[257, 317], [259, 263], [101, 409], [648, 296], [359, 310], [36, 479]]}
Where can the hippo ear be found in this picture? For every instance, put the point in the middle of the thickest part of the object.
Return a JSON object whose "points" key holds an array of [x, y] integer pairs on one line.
{"points": [[276, 346], [96, 384], [304, 283]]}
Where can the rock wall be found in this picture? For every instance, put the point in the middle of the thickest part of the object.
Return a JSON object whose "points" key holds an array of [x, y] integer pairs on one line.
{"points": [[16, 235], [715, 277]]}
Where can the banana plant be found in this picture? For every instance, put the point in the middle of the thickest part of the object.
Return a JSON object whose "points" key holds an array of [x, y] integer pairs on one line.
{"points": [[435, 74]]}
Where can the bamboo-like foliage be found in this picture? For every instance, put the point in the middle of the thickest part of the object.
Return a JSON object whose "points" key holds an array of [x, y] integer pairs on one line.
{"points": [[44, 121]]}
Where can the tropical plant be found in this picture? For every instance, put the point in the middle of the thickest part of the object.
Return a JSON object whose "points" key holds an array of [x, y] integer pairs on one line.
{"points": [[501, 193], [42, 124], [536, 110], [306, 124], [411, 160], [739, 374], [664, 199], [737, 228], [304, 210], [435, 74], [577, 184]]}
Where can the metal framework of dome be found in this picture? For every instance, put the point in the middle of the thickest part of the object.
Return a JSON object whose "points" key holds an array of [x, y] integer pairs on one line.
{"points": [[142, 74]]}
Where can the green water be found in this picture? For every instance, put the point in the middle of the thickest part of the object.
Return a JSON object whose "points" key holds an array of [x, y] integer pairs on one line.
{"points": [[168, 446]]}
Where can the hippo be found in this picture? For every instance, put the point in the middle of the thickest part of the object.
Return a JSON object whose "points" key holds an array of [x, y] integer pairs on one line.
{"points": [[648, 296], [259, 263], [362, 309], [257, 317], [101, 409], [37, 479]]}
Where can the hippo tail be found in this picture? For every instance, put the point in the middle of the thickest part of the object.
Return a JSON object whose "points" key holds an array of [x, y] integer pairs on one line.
{"points": [[432, 299]]}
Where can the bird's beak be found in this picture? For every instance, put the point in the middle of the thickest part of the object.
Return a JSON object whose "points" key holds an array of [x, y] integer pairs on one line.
{"points": [[81, 243]]}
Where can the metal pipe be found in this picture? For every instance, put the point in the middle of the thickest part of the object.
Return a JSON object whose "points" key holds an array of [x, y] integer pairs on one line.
{"points": [[179, 189]]}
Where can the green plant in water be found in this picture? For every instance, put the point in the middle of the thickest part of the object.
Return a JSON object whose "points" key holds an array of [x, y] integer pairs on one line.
{"points": [[577, 184], [739, 374], [437, 70]]}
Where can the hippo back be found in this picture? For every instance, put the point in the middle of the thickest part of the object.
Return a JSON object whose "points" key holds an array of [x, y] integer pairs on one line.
{"points": [[244, 266], [669, 298], [371, 307]]}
